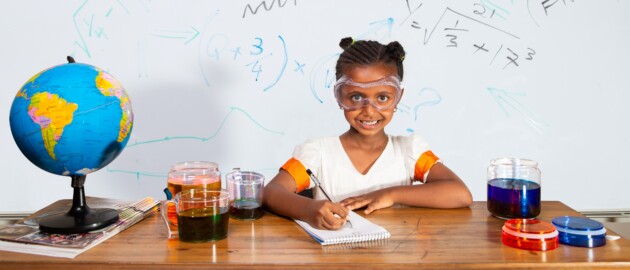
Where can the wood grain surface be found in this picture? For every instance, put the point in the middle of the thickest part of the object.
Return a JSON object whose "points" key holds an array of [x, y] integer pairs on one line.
{"points": [[420, 238]]}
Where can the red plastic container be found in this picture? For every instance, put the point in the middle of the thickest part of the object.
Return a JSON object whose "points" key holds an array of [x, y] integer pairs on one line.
{"points": [[530, 234]]}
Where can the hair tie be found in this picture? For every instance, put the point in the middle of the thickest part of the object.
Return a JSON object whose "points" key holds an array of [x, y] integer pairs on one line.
{"points": [[402, 58], [352, 41]]}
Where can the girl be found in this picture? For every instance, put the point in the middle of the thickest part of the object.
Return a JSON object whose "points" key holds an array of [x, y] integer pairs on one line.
{"points": [[364, 167]]}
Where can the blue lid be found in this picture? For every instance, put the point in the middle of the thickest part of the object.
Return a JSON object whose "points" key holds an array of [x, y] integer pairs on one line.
{"points": [[577, 223], [580, 231]]}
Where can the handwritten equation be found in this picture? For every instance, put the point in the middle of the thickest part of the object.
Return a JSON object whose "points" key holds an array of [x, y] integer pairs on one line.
{"points": [[271, 57], [266, 5], [264, 58], [474, 32], [455, 30]]}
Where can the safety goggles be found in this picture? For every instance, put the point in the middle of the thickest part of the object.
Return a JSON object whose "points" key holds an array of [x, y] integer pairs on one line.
{"points": [[383, 94]]}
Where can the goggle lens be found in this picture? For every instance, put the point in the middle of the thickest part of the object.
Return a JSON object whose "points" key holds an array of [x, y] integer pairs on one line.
{"points": [[383, 94]]}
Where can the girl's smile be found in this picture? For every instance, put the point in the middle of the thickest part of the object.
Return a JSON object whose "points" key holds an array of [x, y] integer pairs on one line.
{"points": [[369, 124], [367, 119]]}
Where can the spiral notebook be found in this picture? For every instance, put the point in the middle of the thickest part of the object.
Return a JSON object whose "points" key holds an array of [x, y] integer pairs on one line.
{"points": [[361, 230]]}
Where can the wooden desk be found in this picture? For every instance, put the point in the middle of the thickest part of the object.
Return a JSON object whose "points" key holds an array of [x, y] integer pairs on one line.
{"points": [[431, 238]]}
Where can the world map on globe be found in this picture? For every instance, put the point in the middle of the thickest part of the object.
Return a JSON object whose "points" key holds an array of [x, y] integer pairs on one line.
{"points": [[71, 119]]}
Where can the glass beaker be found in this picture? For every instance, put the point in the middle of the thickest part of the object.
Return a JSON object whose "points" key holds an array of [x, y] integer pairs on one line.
{"points": [[513, 188], [246, 194], [202, 215], [189, 175]]}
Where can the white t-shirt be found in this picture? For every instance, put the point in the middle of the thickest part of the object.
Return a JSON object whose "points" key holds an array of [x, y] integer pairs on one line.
{"points": [[405, 159]]}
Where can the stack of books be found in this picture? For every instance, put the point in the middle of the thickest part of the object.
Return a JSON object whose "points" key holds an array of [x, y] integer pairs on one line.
{"points": [[25, 237]]}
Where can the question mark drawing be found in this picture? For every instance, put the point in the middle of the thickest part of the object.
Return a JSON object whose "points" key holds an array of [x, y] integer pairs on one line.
{"points": [[426, 97]]}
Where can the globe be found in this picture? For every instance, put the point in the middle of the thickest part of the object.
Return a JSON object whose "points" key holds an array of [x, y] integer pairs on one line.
{"points": [[71, 120]]}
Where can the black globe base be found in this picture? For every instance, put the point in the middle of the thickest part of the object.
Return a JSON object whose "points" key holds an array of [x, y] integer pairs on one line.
{"points": [[81, 218], [64, 223]]}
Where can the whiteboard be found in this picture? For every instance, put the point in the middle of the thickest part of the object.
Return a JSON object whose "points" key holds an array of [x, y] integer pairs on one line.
{"points": [[241, 83]]}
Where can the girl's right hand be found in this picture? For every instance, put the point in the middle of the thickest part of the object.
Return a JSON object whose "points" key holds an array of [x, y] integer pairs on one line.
{"points": [[322, 214]]}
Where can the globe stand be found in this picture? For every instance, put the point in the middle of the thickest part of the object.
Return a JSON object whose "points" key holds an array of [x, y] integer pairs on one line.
{"points": [[81, 218]]}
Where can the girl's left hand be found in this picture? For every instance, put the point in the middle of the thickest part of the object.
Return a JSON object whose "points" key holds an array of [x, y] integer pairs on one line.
{"points": [[374, 200]]}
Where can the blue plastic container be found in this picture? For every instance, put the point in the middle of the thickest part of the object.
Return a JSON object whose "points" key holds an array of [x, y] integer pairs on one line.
{"points": [[580, 231]]}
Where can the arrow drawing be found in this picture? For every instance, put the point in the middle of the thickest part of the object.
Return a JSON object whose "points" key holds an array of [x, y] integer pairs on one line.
{"points": [[188, 35], [508, 102], [377, 26]]}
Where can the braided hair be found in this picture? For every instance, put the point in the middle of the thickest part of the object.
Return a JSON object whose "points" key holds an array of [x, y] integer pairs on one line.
{"points": [[369, 52]]}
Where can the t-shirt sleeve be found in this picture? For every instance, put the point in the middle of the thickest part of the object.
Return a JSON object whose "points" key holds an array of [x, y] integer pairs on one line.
{"points": [[420, 157], [305, 156]]}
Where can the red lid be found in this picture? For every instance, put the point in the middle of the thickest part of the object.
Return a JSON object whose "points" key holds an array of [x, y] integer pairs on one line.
{"points": [[530, 234]]}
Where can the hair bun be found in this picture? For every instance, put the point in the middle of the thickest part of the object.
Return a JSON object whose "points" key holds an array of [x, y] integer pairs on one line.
{"points": [[346, 42], [396, 50]]}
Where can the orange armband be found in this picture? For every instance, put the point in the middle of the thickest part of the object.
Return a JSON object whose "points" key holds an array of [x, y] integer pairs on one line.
{"points": [[423, 165], [295, 168]]}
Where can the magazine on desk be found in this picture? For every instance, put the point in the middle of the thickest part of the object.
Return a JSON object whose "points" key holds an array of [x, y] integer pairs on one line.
{"points": [[24, 236]]}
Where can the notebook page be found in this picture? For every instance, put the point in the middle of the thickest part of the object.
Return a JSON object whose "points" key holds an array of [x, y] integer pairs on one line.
{"points": [[361, 230]]}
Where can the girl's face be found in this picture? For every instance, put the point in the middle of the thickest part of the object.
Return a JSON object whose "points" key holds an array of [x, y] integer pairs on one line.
{"points": [[368, 120]]}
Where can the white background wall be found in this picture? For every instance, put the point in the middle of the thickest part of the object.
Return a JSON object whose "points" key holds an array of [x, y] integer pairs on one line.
{"points": [[212, 80]]}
